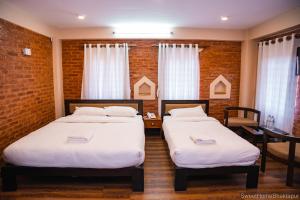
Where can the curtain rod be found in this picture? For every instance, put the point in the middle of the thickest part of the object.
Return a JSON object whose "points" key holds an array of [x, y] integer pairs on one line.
{"points": [[111, 45], [280, 39], [178, 45], [280, 34]]}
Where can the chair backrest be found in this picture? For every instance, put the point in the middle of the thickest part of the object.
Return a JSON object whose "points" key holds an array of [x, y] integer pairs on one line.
{"points": [[238, 108]]}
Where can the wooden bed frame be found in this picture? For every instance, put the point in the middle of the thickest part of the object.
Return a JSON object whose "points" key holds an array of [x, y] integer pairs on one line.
{"points": [[10, 172], [182, 174]]}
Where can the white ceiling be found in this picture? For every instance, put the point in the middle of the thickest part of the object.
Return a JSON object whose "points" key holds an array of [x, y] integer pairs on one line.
{"points": [[178, 13]]}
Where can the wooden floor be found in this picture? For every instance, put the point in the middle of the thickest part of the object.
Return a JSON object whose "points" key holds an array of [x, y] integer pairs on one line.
{"points": [[158, 183]]}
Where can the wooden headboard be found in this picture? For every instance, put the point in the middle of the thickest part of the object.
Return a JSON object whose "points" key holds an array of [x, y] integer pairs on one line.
{"points": [[167, 105], [71, 104]]}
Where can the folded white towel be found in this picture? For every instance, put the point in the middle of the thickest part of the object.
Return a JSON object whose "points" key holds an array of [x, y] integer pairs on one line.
{"points": [[79, 138], [202, 140]]}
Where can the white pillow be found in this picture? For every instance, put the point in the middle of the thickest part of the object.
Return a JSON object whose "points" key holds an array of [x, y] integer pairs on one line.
{"points": [[89, 111], [120, 111], [188, 112]]}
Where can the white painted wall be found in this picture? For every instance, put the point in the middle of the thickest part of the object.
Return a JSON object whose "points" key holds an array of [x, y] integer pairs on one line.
{"points": [[248, 73], [281, 22], [179, 33], [58, 77]]}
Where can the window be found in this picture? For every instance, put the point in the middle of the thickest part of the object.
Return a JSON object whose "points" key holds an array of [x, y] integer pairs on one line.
{"points": [[106, 72], [276, 82], [178, 71]]}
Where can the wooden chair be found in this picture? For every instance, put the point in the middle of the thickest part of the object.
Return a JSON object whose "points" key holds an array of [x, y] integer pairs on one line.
{"points": [[237, 122], [287, 152]]}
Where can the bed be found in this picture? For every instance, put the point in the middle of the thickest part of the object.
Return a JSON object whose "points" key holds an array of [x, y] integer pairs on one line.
{"points": [[116, 147], [229, 154]]}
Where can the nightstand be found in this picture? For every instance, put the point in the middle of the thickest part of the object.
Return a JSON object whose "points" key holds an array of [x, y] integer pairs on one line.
{"points": [[152, 126]]}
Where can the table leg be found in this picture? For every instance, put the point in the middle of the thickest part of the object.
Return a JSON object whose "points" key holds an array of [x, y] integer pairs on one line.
{"points": [[264, 153], [290, 170], [254, 140]]}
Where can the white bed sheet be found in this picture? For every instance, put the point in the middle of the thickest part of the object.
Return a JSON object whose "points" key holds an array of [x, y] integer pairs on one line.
{"points": [[117, 142], [229, 150]]}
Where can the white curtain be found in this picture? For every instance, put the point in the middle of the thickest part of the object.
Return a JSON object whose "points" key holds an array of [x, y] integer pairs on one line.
{"points": [[178, 72], [106, 72], [276, 82]]}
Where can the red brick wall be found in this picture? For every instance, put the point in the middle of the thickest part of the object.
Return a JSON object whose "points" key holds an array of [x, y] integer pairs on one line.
{"points": [[220, 57], [26, 82], [297, 110]]}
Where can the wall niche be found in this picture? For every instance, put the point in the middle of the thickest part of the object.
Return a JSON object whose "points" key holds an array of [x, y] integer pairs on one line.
{"points": [[144, 89], [220, 88]]}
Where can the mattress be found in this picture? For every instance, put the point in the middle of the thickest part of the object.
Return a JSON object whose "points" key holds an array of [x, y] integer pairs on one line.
{"points": [[229, 149], [117, 142]]}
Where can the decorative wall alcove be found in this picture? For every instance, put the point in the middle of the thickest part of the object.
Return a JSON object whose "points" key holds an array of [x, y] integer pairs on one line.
{"points": [[220, 88], [144, 89]]}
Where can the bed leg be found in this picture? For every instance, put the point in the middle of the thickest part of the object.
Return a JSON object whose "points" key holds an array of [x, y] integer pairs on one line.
{"points": [[9, 179], [162, 135], [180, 179], [138, 179], [252, 177]]}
